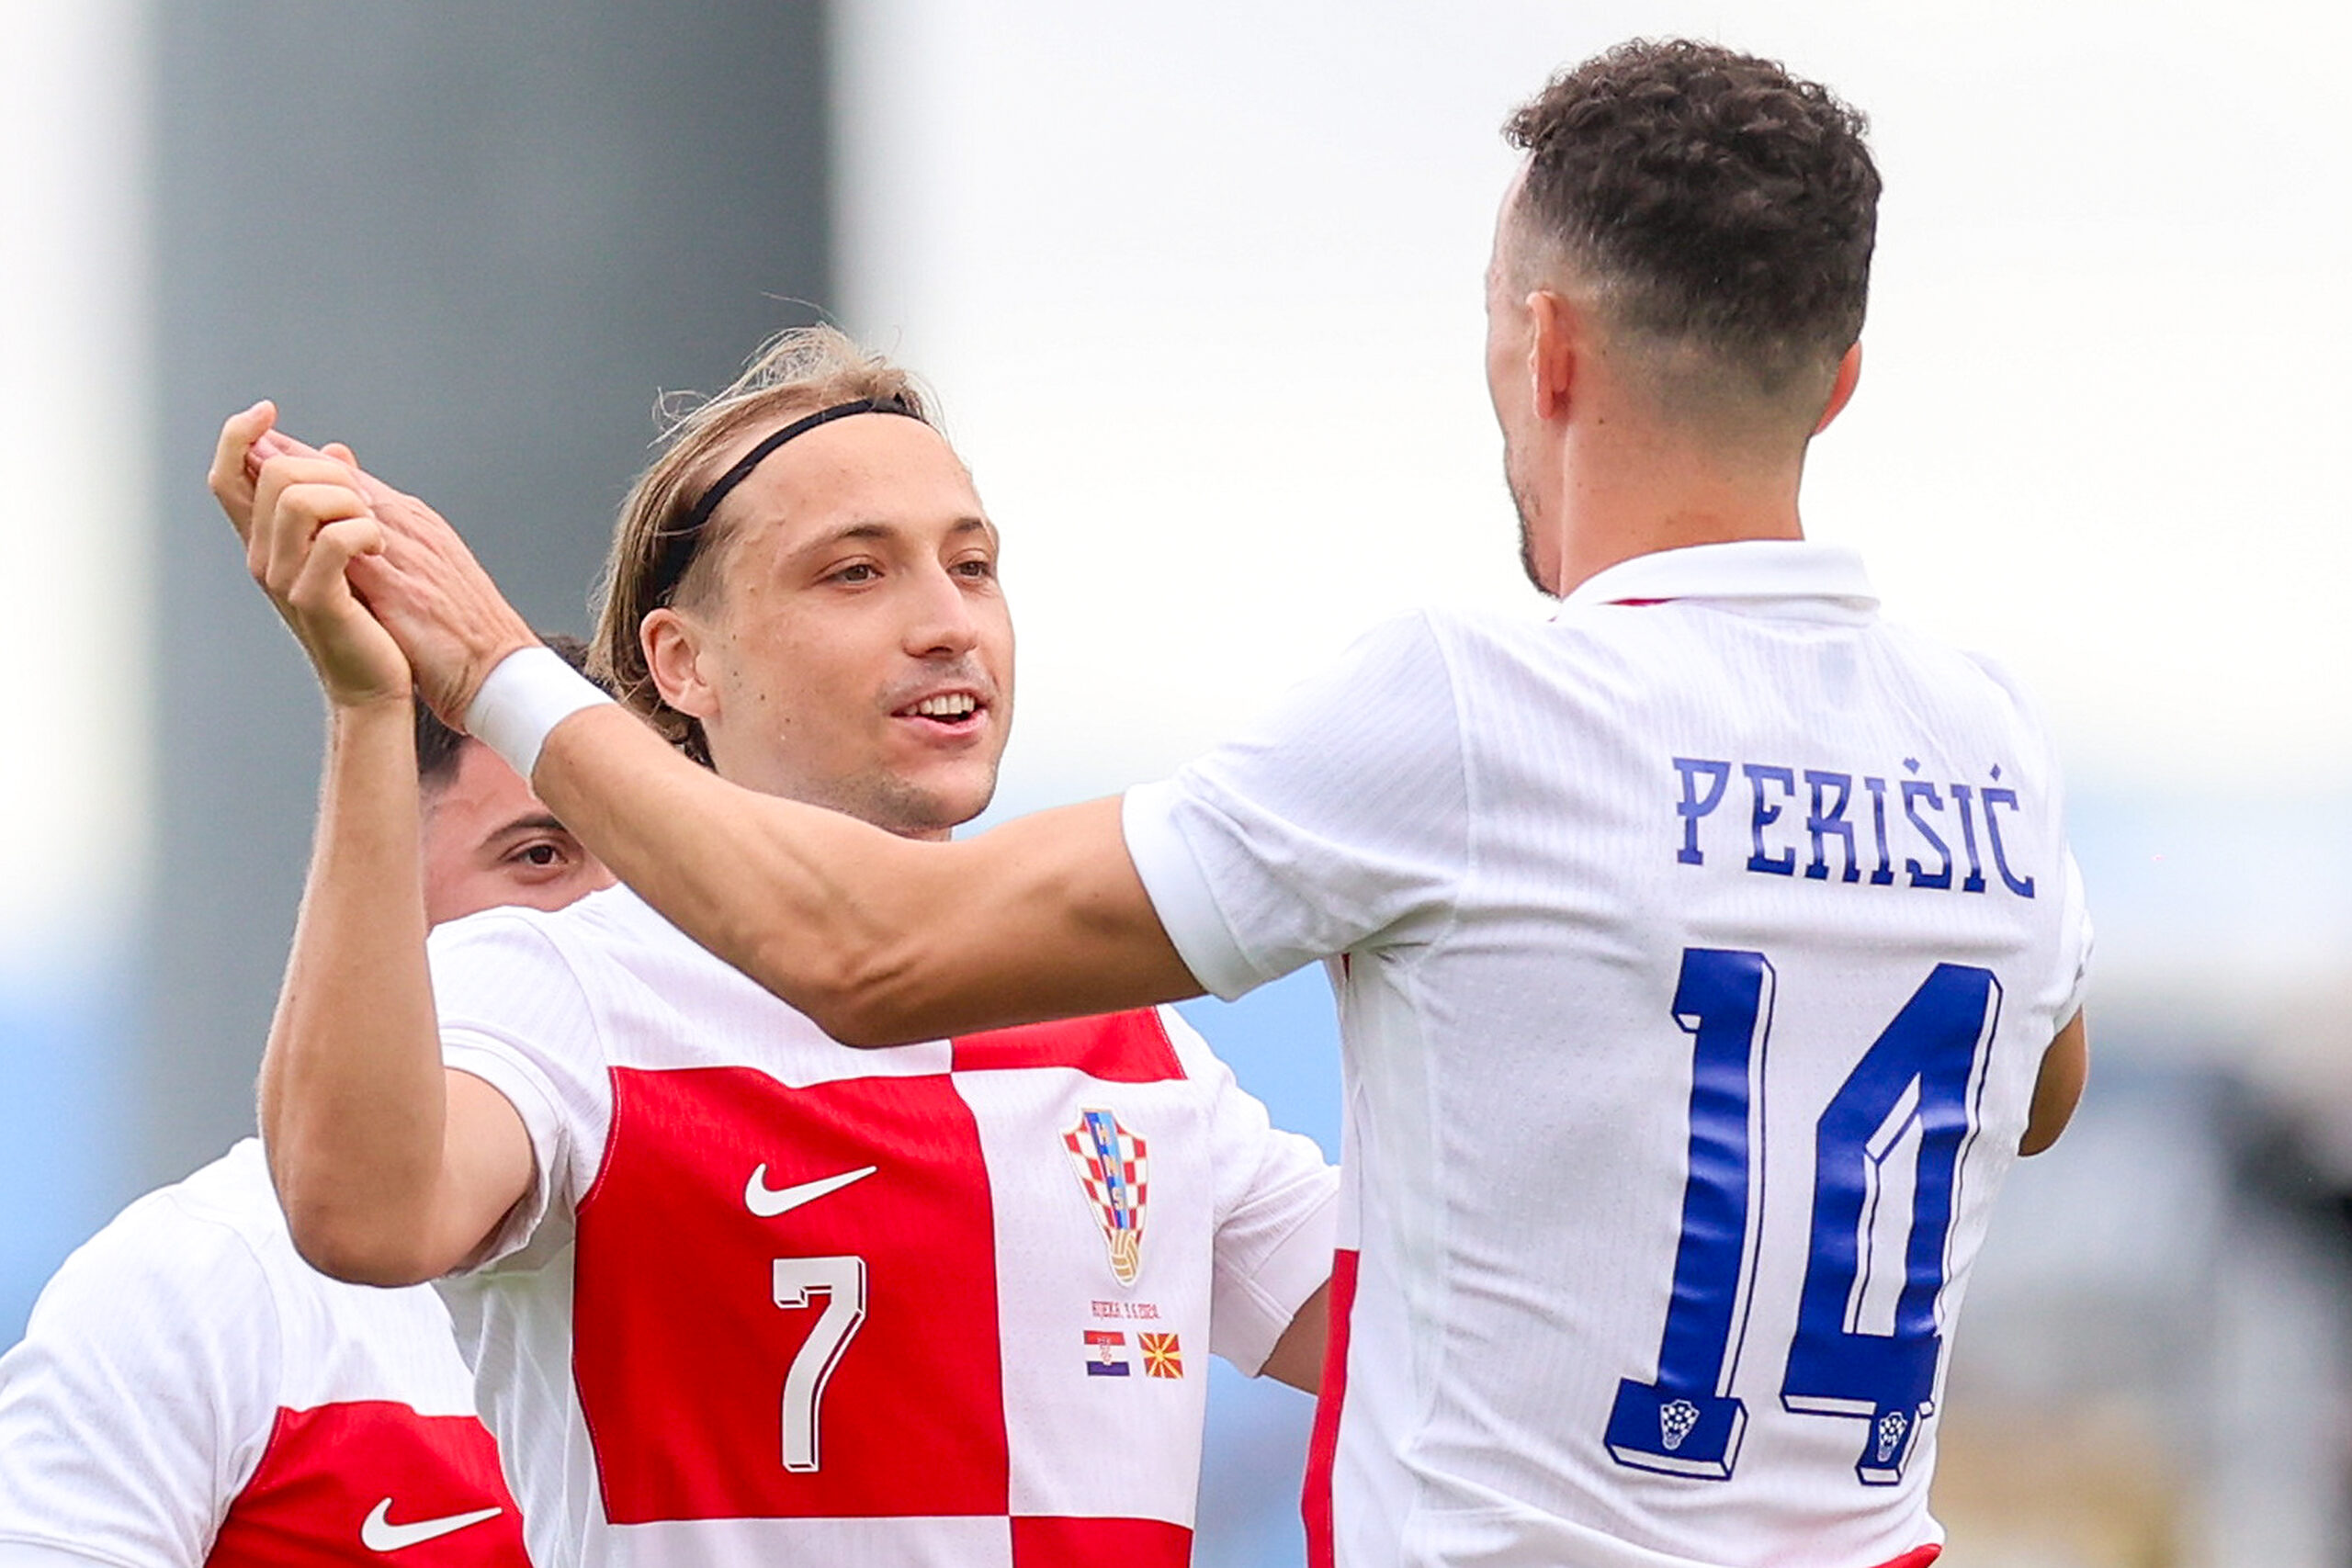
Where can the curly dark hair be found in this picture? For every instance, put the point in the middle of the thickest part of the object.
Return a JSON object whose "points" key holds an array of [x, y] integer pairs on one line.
{"points": [[1715, 199]]}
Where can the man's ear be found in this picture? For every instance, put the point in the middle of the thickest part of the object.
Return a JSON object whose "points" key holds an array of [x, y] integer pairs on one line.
{"points": [[1555, 340], [673, 648], [1841, 392]]}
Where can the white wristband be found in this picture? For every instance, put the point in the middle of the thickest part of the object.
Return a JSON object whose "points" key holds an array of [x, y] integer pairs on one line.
{"points": [[530, 691]]}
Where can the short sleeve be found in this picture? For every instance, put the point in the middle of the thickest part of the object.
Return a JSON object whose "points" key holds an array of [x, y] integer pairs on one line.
{"points": [[513, 1014], [2074, 963], [2071, 979], [142, 1397], [1277, 1212], [1340, 823]]}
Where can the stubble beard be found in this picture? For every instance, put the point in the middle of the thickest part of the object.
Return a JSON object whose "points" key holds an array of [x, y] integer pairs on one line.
{"points": [[1523, 500], [911, 811]]}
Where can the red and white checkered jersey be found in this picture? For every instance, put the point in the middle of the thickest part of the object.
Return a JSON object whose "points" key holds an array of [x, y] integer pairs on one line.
{"points": [[775, 1299], [1696, 953], [190, 1392]]}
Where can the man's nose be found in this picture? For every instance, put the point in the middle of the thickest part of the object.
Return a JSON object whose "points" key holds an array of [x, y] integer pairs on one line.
{"points": [[942, 621]]}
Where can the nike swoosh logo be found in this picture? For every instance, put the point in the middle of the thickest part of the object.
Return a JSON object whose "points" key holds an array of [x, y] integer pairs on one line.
{"points": [[768, 1202], [378, 1533]]}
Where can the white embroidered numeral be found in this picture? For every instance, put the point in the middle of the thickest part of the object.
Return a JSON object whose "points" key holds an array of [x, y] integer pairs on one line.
{"points": [[842, 1280]]}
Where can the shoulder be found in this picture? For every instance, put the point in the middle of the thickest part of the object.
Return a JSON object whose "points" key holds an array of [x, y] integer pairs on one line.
{"points": [[1970, 678], [162, 1336], [2000, 681], [1391, 691], [1493, 660], [220, 1224], [534, 973], [1424, 639], [1142, 1045]]}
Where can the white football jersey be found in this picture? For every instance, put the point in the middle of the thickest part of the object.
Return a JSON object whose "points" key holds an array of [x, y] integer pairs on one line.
{"points": [[190, 1392], [1696, 953], [777, 1299]]}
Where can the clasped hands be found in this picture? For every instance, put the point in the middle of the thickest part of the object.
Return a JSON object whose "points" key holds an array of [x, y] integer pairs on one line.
{"points": [[380, 592]]}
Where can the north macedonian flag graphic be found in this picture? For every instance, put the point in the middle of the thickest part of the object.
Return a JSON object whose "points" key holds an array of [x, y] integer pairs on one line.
{"points": [[1162, 1357]]}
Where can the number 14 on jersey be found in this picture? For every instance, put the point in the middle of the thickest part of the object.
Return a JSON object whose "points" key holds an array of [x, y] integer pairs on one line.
{"points": [[1912, 1090]]}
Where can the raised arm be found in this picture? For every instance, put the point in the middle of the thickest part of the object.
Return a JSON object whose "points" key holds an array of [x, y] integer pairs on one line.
{"points": [[880, 940], [391, 1169]]}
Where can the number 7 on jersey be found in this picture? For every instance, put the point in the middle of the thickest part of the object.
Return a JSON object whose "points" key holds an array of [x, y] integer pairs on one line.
{"points": [[841, 1281]]}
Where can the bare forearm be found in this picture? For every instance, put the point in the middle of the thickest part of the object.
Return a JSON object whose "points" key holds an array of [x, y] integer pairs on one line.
{"points": [[1297, 1357], [2058, 1088], [880, 940], [352, 1098]]}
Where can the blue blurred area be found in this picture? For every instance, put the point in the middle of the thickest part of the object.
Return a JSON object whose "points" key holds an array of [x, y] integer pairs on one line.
{"points": [[2214, 895], [62, 1029], [1253, 1458], [1282, 1042]]}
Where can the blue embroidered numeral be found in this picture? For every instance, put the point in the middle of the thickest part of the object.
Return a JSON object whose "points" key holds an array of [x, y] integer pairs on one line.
{"points": [[1686, 1423], [1866, 1344]]}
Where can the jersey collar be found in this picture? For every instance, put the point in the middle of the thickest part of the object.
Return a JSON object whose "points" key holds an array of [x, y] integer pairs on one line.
{"points": [[1745, 569]]}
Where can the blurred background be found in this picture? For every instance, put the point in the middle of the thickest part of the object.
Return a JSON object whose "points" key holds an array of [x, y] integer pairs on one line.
{"points": [[1200, 287]]}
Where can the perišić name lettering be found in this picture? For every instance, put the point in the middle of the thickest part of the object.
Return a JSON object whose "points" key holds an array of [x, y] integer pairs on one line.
{"points": [[1836, 827]]}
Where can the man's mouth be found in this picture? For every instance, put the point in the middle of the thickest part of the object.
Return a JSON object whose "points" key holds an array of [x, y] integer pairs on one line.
{"points": [[948, 709]]}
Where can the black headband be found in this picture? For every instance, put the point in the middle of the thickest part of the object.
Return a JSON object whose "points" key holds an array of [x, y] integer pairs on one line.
{"points": [[678, 543]]}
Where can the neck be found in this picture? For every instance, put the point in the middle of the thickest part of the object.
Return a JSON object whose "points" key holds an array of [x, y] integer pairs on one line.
{"points": [[1623, 491], [877, 799]]}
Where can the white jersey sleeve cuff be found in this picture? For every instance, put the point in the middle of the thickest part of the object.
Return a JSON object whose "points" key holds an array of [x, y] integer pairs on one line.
{"points": [[2078, 945], [541, 1121], [1181, 895], [1294, 1269]]}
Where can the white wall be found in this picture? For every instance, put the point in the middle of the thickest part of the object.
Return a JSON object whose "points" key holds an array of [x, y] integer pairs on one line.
{"points": [[72, 487]]}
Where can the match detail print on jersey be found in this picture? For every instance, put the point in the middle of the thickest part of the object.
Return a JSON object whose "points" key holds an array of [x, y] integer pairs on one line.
{"points": [[1867, 1344]]}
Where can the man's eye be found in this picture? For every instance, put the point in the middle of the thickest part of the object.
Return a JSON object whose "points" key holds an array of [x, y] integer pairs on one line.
{"points": [[861, 571], [544, 855], [977, 568]]}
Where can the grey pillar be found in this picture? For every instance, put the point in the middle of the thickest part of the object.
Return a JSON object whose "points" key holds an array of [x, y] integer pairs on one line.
{"points": [[473, 239]]}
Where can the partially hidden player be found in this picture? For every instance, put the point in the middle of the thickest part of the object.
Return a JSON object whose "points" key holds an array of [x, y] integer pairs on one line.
{"points": [[735, 1291], [1706, 955], [190, 1392]]}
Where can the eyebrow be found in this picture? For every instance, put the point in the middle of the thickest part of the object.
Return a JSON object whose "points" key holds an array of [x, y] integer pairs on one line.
{"points": [[530, 822], [878, 530]]}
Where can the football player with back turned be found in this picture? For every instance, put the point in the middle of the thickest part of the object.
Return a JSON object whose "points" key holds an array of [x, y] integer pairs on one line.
{"points": [[1707, 955]]}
